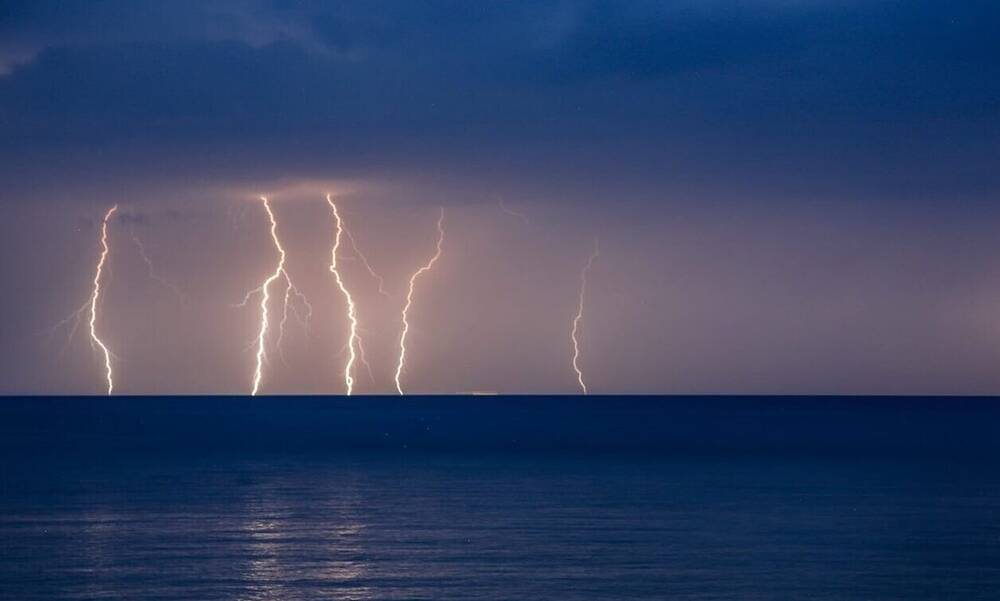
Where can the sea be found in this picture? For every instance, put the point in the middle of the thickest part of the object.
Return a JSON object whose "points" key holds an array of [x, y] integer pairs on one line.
{"points": [[499, 497]]}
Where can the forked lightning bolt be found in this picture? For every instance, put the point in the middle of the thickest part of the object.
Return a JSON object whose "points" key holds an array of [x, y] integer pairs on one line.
{"points": [[265, 295], [579, 317], [409, 301], [353, 341]]}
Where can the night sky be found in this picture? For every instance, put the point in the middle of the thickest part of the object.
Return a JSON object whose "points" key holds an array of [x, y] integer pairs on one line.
{"points": [[791, 196]]}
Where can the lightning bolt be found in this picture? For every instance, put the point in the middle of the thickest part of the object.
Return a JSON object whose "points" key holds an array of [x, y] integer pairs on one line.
{"points": [[409, 300], [96, 296], [579, 317], [265, 295], [353, 341]]}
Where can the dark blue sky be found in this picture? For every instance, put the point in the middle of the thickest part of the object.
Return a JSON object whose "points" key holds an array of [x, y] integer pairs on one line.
{"points": [[872, 99], [797, 194]]}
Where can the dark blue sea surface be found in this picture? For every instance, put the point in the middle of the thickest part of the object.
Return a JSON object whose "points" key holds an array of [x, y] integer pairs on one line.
{"points": [[561, 498]]}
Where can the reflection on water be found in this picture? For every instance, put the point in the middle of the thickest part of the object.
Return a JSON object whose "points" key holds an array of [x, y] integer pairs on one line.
{"points": [[530, 526], [312, 546]]}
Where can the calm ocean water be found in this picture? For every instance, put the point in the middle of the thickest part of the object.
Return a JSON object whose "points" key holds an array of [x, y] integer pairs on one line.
{"points": [[500, 498]]}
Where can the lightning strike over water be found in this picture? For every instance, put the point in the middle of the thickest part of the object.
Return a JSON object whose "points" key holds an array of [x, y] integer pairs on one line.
{"points": [[264, 290], [579, 317], [95, 297], [409, 301], [353, 341]]}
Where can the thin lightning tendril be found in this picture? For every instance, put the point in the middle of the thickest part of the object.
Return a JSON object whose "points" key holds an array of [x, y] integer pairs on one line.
{"points": [[381, 290], [364, 361], [516, 214], [95, 297], [364, 261], [75, 317], [151, 270], [284, 320], [579, 317], [292, 293], [409, 301], [353, 341]]}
